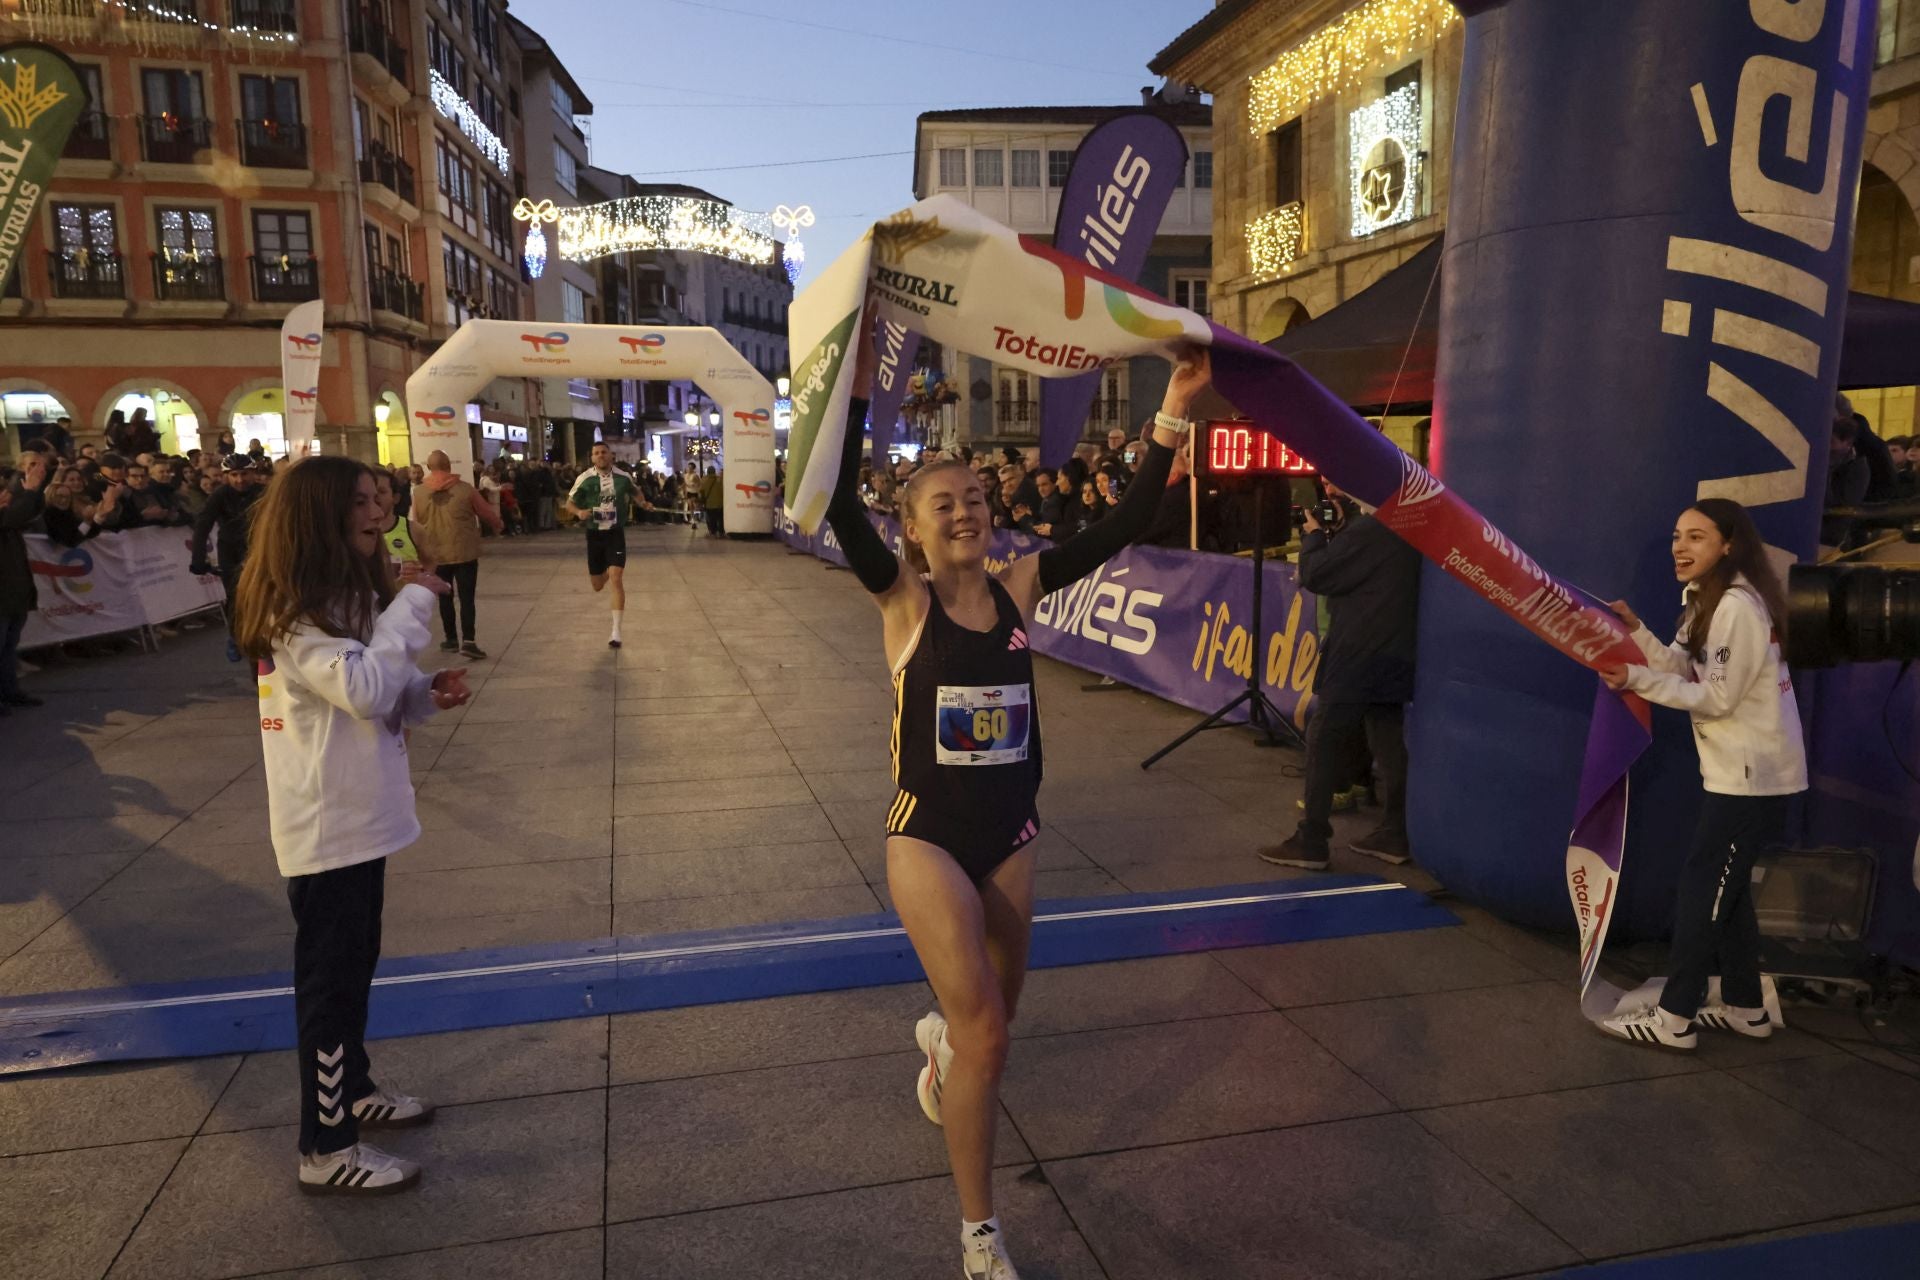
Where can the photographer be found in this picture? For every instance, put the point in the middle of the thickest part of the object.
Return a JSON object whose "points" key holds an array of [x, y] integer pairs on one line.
{"points": [[1370, 579]]}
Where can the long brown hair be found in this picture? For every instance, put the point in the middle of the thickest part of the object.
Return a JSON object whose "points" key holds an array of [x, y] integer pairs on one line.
{"points": [[301, 569], [916, 487], [1746, 555]]}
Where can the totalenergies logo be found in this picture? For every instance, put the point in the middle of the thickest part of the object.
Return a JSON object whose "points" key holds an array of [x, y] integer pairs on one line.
{"points": [[304, 398], [304, 343], [544, 343], [1118, 295], [753, 418], [645, 344], [761, 489], [70, 572], [435, 417]]}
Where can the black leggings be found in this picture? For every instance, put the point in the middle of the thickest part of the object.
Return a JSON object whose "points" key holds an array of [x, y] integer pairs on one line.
{"points": [[464, 576], [1714, 928], [336, 945]]}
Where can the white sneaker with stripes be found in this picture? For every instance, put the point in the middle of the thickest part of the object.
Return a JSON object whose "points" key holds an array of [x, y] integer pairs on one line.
{"points": [[983, 1256], [1755, 1024], [1650, 1026], [386, 1108], [931, 1035], [358, 1170]]}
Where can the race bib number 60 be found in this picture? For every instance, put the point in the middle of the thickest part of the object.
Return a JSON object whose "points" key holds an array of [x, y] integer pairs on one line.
{"points": [[981, 724]]}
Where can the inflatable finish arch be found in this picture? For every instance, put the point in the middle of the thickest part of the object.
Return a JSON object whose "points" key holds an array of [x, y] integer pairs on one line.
{"points": [[1648, 242], [482, 350]]}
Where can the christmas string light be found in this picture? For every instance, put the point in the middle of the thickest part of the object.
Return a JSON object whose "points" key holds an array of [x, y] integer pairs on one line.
{"points": [[73, 25], [791, 221], [1338, 56], [1380, 136], [669, 223], [448, 102], [1274, 239]]}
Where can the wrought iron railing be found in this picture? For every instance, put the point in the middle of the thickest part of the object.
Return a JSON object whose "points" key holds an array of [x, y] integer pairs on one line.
{"points": [[181, 277], [273, 144], [284, 278], [82, 274], [173, 139]]}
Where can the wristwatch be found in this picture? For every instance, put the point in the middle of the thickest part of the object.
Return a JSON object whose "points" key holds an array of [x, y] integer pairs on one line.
{"points": [[1167, 422]]}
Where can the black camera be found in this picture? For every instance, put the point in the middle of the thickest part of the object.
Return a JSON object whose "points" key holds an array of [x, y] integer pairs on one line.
{"points": [[1857, 612], [1326, 511]]}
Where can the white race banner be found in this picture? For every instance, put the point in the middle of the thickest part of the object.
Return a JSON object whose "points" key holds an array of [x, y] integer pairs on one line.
{"points": [[302, 337], [115, 582]]}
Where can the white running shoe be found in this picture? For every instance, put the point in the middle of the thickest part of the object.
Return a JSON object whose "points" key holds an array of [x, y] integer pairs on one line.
{"points": [[931, 1035], [390, 1109], [358, 1170], [983, 1256], [1649, 1026]]}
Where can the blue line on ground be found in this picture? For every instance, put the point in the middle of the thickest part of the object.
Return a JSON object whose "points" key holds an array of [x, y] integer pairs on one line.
{"points": [[469, 989], [1866, 1253]]}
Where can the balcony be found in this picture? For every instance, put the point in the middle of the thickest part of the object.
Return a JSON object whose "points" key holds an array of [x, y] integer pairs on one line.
{"points": [[179, 277], [273, 144], [396, 293], [383, 168], [81, 274], [284, 278], [265, 15], [90, 139], [172, 139], [365, 34]]}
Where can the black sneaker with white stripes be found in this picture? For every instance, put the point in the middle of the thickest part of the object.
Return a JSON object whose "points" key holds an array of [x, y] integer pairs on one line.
{"points": [[358, 1170], [390, 1109]]}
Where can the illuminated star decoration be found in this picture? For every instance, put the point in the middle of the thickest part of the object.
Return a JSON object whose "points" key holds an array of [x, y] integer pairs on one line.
{"points": [[1379, 129], [1377, 192], [792, 220]]}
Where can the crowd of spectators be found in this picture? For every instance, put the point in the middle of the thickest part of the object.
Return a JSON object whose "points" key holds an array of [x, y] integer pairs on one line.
{"points": [[1862, 467]]}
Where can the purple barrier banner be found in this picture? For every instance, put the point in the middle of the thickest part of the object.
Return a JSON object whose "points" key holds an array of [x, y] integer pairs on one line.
{"points": [[1122, 176], [1176, 624]]}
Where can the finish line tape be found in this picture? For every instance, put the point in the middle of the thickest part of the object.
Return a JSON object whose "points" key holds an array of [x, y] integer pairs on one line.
{"points": [[470, 989]]}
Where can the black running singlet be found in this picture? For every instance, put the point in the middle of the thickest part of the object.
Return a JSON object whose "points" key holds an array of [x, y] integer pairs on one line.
{"points": [[966, 737]]}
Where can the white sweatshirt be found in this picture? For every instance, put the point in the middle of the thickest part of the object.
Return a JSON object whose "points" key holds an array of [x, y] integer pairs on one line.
{"points": [[1746, 723], [331, 712]]}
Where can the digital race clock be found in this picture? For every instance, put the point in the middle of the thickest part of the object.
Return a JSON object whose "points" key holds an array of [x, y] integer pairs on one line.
{"points": [[1242, 449]]}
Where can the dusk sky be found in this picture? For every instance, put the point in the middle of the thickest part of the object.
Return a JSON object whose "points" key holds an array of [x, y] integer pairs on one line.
{"points": [[730, 95]]}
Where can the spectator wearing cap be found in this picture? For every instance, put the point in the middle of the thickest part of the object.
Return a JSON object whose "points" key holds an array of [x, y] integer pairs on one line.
{"points": [[226, 510]]}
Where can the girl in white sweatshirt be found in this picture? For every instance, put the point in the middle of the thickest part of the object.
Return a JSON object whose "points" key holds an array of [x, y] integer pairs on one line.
{"points": [[318, 611], [1725, 669]]}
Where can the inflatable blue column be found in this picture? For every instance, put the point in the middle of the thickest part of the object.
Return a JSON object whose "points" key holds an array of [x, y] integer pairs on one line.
{"points": [[1648, 237]]}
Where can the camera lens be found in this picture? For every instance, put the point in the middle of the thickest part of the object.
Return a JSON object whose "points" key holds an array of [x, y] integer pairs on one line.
{"points": [[1852, 613]]}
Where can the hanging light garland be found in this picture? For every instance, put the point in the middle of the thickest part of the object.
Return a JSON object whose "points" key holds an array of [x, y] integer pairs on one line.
{"points": [[1339, 56], [449, 103], [670, 223], [793, 221], [72, 22], [534, 254], [1275, 238]]}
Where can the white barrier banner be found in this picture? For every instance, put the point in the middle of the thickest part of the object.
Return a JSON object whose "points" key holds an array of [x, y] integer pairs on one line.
{"points": [[115, 582], [302, 336]]}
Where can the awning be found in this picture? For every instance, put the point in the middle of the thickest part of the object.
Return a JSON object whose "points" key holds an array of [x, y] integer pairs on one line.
{"points": [[1381, 347]]}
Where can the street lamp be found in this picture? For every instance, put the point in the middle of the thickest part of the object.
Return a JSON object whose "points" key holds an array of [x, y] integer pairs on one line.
{"points": [[783, 384], [692, 419], [713, 418]]}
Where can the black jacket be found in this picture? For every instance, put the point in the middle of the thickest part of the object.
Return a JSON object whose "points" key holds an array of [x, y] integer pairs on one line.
{"points": [[228, 509], [18, 595], [1371, 580]]}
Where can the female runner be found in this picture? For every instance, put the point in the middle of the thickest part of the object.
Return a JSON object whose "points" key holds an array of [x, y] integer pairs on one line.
{"points": [[966, 760], [1725, 668], [336, 647]]}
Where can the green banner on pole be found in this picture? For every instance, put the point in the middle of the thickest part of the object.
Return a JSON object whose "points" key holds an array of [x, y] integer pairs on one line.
{"points": [[41, 98]]}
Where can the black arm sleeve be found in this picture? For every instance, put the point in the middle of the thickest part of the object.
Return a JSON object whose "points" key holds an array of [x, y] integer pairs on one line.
{"points": [[1098, 543], [867, 555], [204, 522]]}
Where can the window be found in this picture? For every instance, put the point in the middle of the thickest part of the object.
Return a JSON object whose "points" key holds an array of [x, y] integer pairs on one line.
{"points": [[1018, 398], [564, 171], [1283, 145], [444, 58], [573, 304], [1203, 171], [496, 217], [989, 167], [486, 35], [173, 93], [282, 235], [503, 296], [1059, 164], [953, 167], [275, 98], [492, 113], [186, 234], [1026, 168], [1408, 75], [90, 139], [397, 257], [562, 100], [370, 235], [83, 231], [1190, 291]]}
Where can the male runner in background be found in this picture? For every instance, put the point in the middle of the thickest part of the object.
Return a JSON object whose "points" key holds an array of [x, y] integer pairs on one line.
{"points": [[600, 497]]}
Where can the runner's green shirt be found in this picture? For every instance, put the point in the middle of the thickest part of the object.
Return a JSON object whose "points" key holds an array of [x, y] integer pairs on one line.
{"points": [[588, 493]]}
